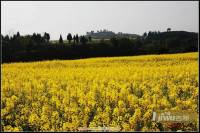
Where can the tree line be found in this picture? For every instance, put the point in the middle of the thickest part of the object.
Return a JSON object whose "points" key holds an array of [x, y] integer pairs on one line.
{"points": [[39, 47], [76, 39]]}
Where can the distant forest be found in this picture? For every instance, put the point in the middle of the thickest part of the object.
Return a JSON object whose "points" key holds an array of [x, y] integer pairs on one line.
{"points": [[38, 47]]}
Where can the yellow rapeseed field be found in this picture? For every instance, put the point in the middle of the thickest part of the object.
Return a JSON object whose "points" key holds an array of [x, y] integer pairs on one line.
{"points": [[113, 92]]}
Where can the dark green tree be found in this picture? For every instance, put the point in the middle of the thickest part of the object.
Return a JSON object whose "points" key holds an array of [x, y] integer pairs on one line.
{"points": [[145, 35], [61, 40], [46, 37], [7, 38], [83, 40], [74, 38], [69, 37], [77, 39], [168, 29], [18, 34]]}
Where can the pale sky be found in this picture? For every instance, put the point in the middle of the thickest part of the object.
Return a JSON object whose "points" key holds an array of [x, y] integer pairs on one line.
{"points": [[62, 17]]}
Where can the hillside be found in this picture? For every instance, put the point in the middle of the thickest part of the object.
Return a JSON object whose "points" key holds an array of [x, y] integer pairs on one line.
{"points": [[35, 47], [104, 34]]}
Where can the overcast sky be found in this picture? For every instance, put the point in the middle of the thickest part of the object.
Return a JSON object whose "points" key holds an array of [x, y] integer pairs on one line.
{"points": [[62, 17]]}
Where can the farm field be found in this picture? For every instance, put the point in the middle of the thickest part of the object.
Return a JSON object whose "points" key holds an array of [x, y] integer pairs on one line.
{"points": [[111, 91]]}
